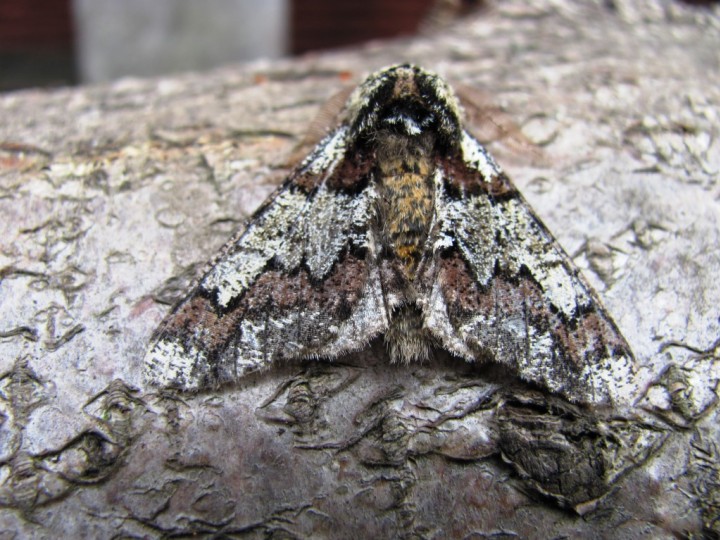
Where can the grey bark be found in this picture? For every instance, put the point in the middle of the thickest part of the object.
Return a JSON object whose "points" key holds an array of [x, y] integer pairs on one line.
{"points": [[113, 197]]}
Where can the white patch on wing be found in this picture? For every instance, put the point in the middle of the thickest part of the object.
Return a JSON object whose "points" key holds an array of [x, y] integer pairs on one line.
{"points": [[475, 155], [328, 153], [264, 238], [281, 230], [170, 363], [334, 211]]}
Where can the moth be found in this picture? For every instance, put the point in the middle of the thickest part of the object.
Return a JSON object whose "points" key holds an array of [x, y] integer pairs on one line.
{"points": [[398, 224]]}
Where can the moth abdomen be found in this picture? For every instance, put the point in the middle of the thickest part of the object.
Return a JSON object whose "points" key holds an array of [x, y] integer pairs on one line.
{"points": [[408, 205], [407, 338]]}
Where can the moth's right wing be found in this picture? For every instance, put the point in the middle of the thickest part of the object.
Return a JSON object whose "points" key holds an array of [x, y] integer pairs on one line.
{"points": [[504, 289], [299, 282]]}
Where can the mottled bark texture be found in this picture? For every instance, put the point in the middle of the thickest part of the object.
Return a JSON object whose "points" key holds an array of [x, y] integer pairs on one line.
{"points": [[113, 197]]}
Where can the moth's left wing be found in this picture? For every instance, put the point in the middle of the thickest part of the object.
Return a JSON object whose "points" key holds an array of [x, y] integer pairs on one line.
{"points": [[503, 289], [297, 283]]}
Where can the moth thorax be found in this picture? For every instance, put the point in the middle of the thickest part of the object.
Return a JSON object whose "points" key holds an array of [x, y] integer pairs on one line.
{"points": [[406, 203]]}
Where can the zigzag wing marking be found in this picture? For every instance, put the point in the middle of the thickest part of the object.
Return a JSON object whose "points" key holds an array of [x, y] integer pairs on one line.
{"points": [[297, 283], [503, 288]]}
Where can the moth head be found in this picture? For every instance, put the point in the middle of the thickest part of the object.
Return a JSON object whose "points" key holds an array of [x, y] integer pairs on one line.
{"points": [[405, 100]]}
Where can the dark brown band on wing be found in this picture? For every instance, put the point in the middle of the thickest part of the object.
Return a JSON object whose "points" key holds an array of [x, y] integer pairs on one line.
{"points": [[463, 180], [275, 293], [352, 174], [589, 336], [197, 324]]}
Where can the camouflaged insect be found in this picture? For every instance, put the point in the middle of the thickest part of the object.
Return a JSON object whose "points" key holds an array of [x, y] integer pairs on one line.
{"points": [[399, 224]]}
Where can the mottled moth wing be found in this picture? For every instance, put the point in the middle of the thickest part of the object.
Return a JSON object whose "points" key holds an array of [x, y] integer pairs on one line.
{"points": [[505, 290], [295, 284]]}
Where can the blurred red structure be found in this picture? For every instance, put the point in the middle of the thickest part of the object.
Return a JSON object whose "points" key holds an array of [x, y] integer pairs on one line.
{"points": [[35, 24], [36, 43], [323, 24]]}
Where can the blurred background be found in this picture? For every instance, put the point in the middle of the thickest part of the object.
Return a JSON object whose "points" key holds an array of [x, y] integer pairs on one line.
{"points": [[64, 42]]}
